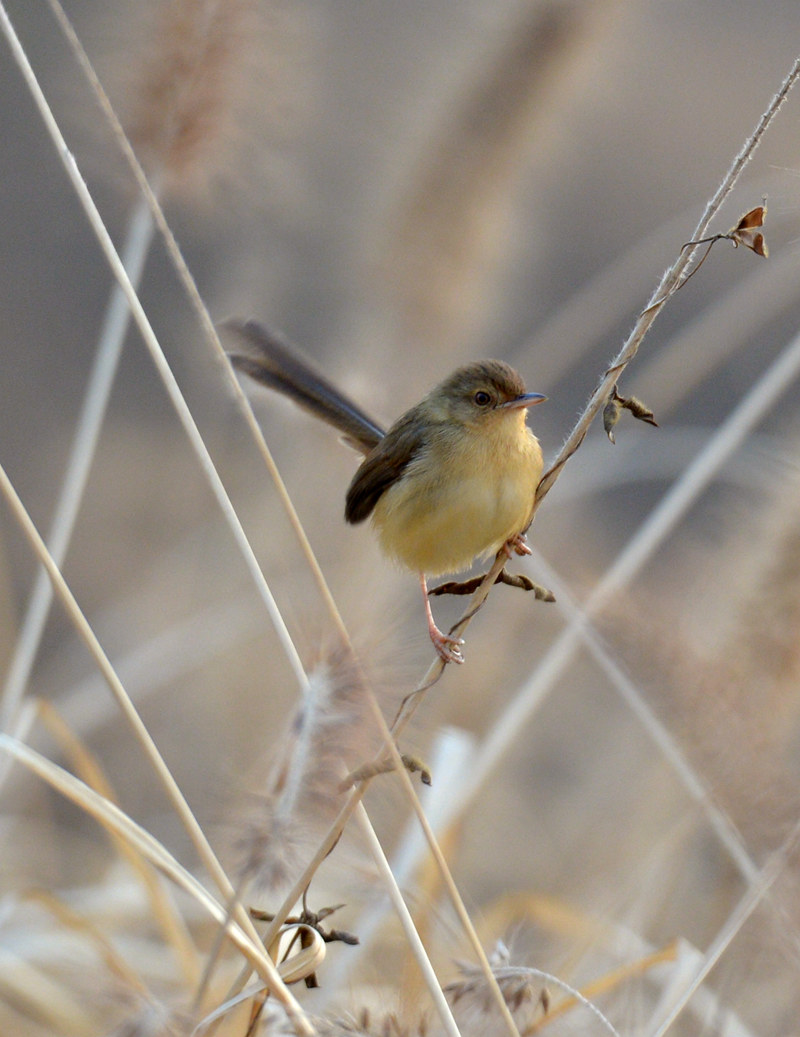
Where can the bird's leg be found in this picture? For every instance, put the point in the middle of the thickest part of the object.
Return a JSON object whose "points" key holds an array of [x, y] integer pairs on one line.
{"points": [[517, 545], [449, 648]]}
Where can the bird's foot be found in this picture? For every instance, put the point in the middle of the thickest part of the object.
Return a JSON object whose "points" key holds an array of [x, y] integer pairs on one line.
{"points": [[517, 544], [447, 647]]}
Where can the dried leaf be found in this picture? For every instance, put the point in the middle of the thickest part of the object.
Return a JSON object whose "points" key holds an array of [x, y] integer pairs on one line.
{"points": [[638, 410], [611, 413], [616, 404], [746, 231]]}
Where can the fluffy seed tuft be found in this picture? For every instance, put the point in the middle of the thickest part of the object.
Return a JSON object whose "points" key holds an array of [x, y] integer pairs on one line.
{"points": [[329, 733]]}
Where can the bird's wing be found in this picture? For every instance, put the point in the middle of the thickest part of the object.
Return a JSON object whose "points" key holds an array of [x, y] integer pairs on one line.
{"points": [[383, 467]]}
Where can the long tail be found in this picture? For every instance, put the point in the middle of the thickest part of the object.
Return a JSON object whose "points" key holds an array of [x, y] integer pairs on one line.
{"points": [[270, 360]]}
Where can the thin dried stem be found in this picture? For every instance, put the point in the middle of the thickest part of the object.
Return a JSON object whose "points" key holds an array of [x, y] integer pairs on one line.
{"points": [[201, 311], [652, 533], [669, 283], [516, 974], [604, 984], [666, 288], [352, 804], [722, 826], [436, 668]]}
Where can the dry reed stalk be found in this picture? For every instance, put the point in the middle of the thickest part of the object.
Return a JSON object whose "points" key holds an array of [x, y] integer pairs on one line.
{"points": [[756, 892], [263, 863], [200, 311], [639, 548], [335, 830], [353, 805], [174, 794], [154, 347], [81, 456]]}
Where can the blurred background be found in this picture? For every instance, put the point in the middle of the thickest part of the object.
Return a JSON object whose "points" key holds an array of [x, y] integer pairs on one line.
{"points": [[400, 188]]}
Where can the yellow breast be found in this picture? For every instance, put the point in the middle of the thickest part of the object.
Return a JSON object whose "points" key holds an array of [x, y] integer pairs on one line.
{"points": [[464, 495]]}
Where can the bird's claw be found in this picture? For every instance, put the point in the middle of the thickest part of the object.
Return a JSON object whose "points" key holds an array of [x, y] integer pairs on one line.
{"points": [[448, 648], [517, 545]]}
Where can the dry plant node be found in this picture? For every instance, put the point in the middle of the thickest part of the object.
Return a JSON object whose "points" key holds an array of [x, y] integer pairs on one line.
{"points": [[312, 919]]}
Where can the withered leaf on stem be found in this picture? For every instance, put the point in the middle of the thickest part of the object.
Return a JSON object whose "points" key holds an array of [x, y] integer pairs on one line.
{"points": [[639, 410], [746, 232], [616, 404]]}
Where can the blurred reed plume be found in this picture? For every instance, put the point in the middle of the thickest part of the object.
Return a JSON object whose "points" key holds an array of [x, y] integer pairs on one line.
{"points": [[190, 82], [448, 236]]}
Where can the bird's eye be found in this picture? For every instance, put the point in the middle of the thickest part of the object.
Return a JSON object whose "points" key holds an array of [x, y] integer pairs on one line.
{"points": [[483, 399]]}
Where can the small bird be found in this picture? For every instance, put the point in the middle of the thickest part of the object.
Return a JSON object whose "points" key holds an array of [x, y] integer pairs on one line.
{"points": [[453, 479]]}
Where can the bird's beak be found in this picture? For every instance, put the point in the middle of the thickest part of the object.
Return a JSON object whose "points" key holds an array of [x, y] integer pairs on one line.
{"points": [[527, 399]]}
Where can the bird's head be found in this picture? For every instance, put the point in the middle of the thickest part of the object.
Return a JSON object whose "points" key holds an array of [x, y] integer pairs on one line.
{"points": [[479, 393]]}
